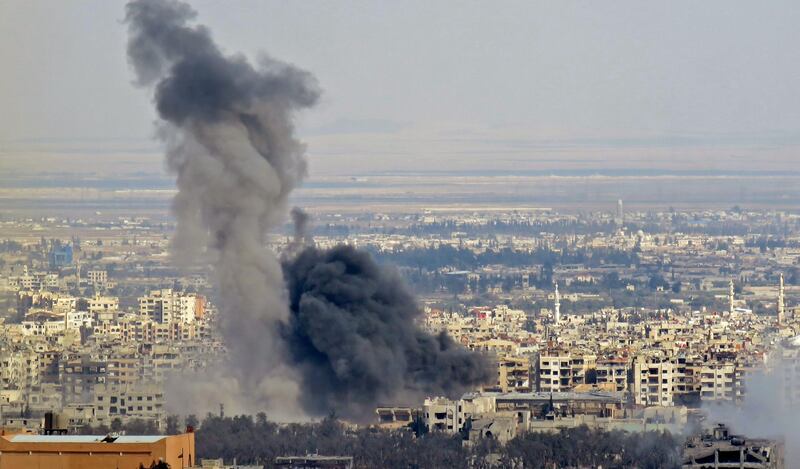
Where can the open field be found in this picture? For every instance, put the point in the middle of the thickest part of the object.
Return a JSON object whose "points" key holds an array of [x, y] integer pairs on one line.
{"points": [[393, 193]]}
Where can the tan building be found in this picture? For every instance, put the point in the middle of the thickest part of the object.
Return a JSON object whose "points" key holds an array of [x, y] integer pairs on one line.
{"points": [[99, 305], [126, 402], [98, 278], [561, 371], [613, 372], [653, 380], [718, 382], [514, 374]]}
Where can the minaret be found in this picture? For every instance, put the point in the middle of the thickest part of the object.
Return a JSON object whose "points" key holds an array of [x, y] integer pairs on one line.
{"points": [[557, 306], [730, 298], [780, 301]]}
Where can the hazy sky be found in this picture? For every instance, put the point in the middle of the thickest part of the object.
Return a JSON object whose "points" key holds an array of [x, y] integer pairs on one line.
{"points": [[419, 83]]}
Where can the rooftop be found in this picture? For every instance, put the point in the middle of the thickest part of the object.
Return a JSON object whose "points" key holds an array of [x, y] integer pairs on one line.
{"points": [[22, 438], [556, 396]]}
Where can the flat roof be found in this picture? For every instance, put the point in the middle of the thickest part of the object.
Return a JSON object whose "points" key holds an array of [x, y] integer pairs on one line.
{"points": [[557, 396], [22, 438]]}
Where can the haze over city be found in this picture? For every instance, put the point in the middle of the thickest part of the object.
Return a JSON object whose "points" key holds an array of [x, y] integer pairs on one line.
{"points": [[399, 234]]}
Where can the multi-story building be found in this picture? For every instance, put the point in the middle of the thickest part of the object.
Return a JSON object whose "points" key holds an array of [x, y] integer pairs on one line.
{"points": [[440, 414], [19, 368], [613, 372], [514, 374], [718, 382], [98, 278], [79, 376], [167, 306], [124, 368], [561, 370], [103, 308], [654, 380], [133, 401]]}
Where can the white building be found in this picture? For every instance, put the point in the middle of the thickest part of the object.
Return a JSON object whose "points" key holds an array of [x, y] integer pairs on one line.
{"points": [[718, 382], [167, 306], [656, 380]]}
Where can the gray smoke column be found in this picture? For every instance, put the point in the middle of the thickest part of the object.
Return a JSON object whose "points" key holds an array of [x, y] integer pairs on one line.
{"points": [[344, 339], [228, 125], [769, 408], [352, 335], [302, 237]]}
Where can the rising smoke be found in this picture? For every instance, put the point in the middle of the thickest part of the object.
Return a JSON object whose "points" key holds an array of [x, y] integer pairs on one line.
{"points": [[302, 237], [352, 335], [769, 409], [230, 137], [228, 126]]}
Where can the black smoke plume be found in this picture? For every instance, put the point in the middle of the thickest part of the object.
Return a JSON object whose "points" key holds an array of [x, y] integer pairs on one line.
{"points": [[352, 335]]}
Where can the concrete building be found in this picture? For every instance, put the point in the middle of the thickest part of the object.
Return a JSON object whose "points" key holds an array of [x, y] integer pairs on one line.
{"points": [[525, 408], [502, 428], [101, 306], [441, 414], [167, 306], [98, 278], [613, 372], [718, 382], [560, 370], [79, 376], [514, 374], [718, 449], [139, 401], [655, 380], [395, 417], [60, 255]]}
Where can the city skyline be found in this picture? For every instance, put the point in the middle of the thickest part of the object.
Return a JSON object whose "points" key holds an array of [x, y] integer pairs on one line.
{"points": [[412, 235]]}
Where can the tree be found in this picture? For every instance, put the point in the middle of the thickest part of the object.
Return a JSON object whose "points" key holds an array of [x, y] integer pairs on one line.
{"points": [[192, 421], [141, 427], [656, 281], [116, 425], [172, 427]]}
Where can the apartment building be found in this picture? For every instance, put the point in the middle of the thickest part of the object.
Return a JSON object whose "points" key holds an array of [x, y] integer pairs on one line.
{"points": [[613, 372], [441, 414], [560, 370], [167, 306], [123, 369], [661, 381], [718, 382], [80, 375], [97, 278], [19, 368], [103, 307], [126, 402], [514, 374]]}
